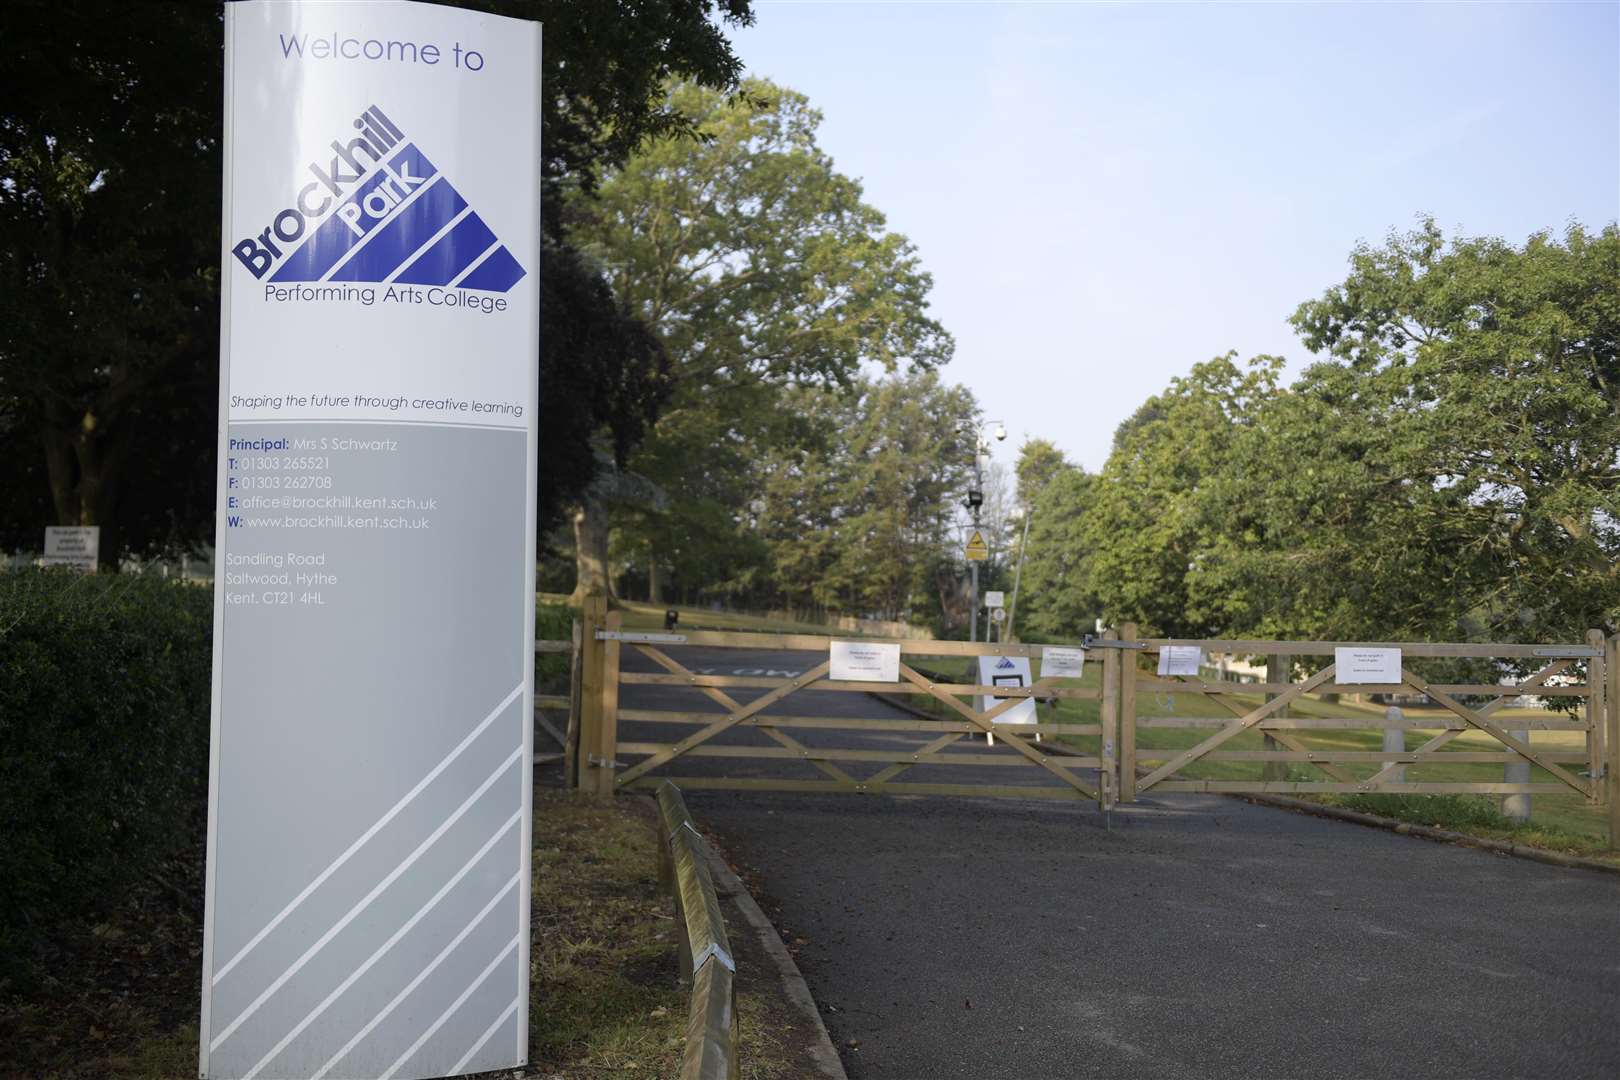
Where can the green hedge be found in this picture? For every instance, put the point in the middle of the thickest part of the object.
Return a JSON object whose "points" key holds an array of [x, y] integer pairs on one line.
{"points": [[104, 695], [104, 692]]}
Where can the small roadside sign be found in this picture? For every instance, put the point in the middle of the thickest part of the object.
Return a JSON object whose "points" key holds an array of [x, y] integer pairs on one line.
{"points": [[72, 545], [995, 599], [977, 549]]}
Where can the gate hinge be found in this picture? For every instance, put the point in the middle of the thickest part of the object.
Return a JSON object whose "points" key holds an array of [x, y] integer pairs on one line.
{"points": [[605, 763], [635, 636]]}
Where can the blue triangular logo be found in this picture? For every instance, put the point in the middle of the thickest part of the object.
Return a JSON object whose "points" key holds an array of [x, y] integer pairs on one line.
{"points": [[387, 214]]}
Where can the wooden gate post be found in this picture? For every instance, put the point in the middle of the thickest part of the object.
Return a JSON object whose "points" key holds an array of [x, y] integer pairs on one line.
{"points": [[610, 708], [1611, 732], [593, 613], [576, 673], [1127, 716], [1108, 717]]}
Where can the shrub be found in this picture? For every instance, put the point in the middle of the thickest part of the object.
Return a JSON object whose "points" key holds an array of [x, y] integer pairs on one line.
{"points": [[104, 696]]}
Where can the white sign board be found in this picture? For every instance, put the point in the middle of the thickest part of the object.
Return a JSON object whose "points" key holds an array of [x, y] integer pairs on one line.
{"points": [[864, 661], [1058, 662], [1180, 660], [367, 908], [72, 545], [1364, 665], [1007, 671], [995, 599]]}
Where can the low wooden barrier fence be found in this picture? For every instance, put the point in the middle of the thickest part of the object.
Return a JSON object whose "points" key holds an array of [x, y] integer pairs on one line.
{"points": [[712, 1033]]}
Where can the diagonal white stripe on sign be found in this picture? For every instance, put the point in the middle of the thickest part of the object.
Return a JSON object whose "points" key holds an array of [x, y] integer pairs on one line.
{"points": [[365, 902], [354, 252], [406, 262], [383, 950], [474, 265], [454, 1005], [420, 978], [456, 1069], [367, 835]]}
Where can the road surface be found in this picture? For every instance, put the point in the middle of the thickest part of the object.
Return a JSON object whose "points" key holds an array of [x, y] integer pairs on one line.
{"points": [[1200, 936]]}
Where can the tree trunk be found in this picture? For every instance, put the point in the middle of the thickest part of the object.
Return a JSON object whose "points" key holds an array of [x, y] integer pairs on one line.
{"points": [[591, 552], [83, 465], [655, 580]]}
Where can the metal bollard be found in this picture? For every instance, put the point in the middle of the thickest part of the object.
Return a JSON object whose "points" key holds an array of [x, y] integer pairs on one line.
{"points": [[1517, 771], [1395, 742]]}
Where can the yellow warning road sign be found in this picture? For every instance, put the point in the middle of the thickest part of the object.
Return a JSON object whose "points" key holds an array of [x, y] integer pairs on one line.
{"points": [[977, 549]]}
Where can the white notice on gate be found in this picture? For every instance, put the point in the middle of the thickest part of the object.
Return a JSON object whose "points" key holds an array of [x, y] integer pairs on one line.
{"points": [[1180, 659], [864, 661], [1361, 665], [1062, 663]]}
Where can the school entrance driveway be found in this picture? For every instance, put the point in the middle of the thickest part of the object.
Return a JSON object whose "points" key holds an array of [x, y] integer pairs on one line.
{"points": [[1201, 937]]}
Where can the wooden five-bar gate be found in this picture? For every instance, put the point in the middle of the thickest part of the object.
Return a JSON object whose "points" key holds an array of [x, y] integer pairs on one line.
{"points": [[647, 714]]}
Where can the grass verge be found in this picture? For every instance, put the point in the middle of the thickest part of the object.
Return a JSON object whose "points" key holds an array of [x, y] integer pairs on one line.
{"points": [[120, 996]]}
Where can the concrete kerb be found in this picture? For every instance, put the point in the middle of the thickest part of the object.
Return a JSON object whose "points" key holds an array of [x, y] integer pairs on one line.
{"points": [[1339, 813], [730, 887]]}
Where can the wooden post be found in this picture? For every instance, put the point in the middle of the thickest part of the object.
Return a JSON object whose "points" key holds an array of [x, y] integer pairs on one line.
{"points": [[1279, 669], [590, 694], [1611, 734], [576, 671], [1108, 714], [1127, 716], [610, 706]]}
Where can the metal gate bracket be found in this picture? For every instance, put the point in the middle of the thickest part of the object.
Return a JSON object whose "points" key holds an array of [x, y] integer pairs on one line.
{"points": [[605, 763], [1090, 641], [643, 638]]}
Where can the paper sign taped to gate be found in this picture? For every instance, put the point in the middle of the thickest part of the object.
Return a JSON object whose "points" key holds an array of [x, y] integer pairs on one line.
{"points": [[1061, 663], [1180, 660], [1357, 665], [864, 661]]}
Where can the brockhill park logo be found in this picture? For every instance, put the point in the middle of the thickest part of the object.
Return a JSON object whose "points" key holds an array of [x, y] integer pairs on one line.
{"points": [[379, 211]]}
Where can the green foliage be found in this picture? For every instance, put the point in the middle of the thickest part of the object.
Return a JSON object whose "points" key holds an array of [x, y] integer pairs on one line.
{"points": [[1144, 530], [855, 515], [1055, 598], [104, 700], [109, 251], [760, 268], [1450, 472], [1039, 463]]}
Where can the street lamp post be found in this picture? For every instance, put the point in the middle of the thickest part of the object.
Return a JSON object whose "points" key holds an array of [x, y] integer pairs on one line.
{"points": [[974, 501]]}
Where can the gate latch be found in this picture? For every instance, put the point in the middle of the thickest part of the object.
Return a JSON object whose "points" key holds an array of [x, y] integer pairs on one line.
{"points": [[605, 763]]}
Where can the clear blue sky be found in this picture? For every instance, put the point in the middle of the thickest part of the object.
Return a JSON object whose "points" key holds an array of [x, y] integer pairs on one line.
{"points": [[1108, 194]]}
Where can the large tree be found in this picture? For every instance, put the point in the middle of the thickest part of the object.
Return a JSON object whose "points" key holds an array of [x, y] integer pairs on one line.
{"points": [[1491, 375], [857, 516], [109, 248], [759, 266]]}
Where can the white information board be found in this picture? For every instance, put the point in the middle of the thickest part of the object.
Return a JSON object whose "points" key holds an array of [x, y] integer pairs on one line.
{"points": [[1007, 671], [1059, 662], [864, 661], [370, 779], [995, 599], [1180, 660], [72, 545], [1358, 664]]}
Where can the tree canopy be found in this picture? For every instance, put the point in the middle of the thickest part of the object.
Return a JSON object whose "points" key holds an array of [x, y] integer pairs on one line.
{"points": [[110, 128], [760, 268]]}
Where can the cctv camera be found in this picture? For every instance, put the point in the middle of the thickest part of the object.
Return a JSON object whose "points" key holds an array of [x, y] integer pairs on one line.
{"points": [[1001, 433]]}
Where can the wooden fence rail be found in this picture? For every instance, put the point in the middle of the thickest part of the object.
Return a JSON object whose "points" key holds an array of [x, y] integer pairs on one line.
{"points": [[713, 1035]]}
